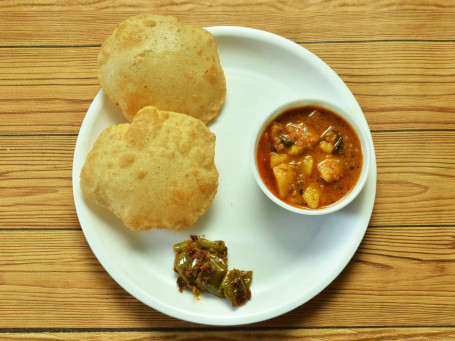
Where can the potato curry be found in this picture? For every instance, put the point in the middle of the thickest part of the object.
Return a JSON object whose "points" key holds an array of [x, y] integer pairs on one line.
{"points": [[309, 157]]}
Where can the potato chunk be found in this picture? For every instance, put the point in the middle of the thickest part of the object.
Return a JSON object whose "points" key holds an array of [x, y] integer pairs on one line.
{"points": [[301, 135], [311, 196], [308, 164], [275, 130], [284, 176], [326, 147], [276, 159], [296, 150], [331, 169]]}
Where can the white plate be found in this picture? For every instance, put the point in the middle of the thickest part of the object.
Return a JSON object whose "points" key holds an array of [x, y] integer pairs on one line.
{"points": [[293, 257]]}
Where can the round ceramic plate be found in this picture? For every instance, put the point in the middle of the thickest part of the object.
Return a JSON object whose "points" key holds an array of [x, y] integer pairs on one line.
{"points": [[293, 257]]}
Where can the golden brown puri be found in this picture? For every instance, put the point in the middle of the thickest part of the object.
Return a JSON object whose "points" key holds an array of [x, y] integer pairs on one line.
{"points": [[157, 171], [157, 60]]}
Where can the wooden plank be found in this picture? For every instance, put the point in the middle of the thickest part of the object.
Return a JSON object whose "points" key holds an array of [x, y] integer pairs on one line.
{"points": [[352, 334], [299, 21], [179, 5], [413, 180], [399, 276], [36, 190], [46, 91], [398, 85]]}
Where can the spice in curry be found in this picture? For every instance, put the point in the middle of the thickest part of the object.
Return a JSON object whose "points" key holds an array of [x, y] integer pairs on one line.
{"points": [[309, 157]]}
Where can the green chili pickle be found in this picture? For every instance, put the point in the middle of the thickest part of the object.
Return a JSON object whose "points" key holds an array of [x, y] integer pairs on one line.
{"points": [[202, 266], [236, 286]]}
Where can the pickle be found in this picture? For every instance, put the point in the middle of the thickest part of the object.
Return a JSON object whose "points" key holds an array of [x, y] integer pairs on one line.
{"points": [[211, 276], [236, 286], [202, 266]]}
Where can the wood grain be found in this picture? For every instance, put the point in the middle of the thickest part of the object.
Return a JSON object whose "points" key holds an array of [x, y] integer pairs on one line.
{"points": [[413, 179], [356, 334], [88, 26], [46, 91], [51, 279], [35, 187], [262, 5], [398, 85]]}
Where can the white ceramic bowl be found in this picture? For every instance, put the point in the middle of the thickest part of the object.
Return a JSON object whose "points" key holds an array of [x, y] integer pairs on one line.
{"points": [[362, 133]]}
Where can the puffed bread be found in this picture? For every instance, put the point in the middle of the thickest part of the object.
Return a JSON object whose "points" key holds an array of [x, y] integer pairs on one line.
{"points": [[157, 171], [158, 60]]}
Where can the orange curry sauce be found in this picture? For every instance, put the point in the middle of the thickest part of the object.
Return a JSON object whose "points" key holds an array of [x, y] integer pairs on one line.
{"points": [[309, 157]]}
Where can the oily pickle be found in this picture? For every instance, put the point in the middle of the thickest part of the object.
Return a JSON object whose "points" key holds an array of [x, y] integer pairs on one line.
{"points": [[202, 266], [236, 286]]}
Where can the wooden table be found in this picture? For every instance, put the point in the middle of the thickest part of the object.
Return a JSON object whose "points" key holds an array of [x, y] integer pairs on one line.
{"points": [[397, 57]]}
